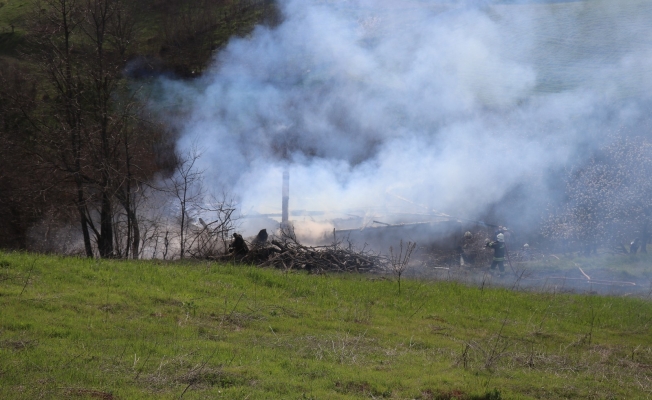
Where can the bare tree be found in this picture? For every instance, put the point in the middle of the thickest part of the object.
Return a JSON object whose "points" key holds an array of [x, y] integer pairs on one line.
{"points": [[74, 141], [186, 186], [89, 133], [211, 236], [399, 262]]}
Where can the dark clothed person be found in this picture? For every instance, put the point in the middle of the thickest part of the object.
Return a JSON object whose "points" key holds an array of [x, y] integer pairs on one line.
{"points": [[238, 246], [261, 238], [499, 253], [634, 246]]}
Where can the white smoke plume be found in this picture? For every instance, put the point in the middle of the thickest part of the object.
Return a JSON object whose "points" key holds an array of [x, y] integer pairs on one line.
{"points": [[451, 104]]}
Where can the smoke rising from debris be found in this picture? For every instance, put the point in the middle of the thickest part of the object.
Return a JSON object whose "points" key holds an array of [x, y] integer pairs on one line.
{"points": [[455, 105]]}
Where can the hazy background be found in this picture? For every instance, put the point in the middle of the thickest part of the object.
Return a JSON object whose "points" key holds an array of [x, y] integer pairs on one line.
{"points": [[472, 108]]}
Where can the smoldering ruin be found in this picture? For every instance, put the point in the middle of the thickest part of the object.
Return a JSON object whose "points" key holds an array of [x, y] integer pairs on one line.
{"points": [[418, 121], [366, 124]]}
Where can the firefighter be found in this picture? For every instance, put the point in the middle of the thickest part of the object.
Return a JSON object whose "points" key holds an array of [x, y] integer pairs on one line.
{"points": [[465, 243], [238, 246], [634, 246], [499, 252], [507, 233], [261, 238]]}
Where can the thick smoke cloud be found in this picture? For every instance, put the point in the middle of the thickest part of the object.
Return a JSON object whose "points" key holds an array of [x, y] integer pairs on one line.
{"points": [[453, 104]]}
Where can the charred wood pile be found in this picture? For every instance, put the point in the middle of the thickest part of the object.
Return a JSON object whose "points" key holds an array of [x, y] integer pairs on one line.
{"points": [[285, 252], [292, 255]]}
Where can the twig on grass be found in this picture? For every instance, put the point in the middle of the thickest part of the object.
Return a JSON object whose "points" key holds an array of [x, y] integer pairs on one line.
{"points": [[144, 362], [27, 280], [196, 370], [484, 282], [71, 360], [518, 279], [465, 355], [124, 350], [272, 329], [495, 354], [418, 308], [236, 305], [184, 390]]}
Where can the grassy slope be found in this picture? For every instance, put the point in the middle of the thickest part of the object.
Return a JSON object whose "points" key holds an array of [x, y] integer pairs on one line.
{"points": [[148, 39], [12, 12], [128, 330]]}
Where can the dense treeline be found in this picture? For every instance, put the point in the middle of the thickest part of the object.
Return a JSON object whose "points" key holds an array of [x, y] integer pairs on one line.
{"points": [[77, 143]]}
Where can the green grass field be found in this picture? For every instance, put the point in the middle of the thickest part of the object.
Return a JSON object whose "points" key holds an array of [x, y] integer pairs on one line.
{"points": [[79, 328], [12, 25]]}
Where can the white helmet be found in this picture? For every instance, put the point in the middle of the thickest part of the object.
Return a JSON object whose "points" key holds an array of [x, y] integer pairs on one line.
{"points": [[500, 237]]}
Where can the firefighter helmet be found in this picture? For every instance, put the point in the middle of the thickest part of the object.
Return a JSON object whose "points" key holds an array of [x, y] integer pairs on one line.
{"points": [[500, 237]]}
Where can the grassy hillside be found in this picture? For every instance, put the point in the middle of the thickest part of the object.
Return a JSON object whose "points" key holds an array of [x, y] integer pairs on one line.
{"points": [[12, 25], [79, 328], [175, 35]]}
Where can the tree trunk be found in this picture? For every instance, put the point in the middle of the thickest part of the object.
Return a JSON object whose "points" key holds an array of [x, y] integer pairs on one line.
{"points": [[134, 240], [135, 247], [105, 241], [84, 223]]}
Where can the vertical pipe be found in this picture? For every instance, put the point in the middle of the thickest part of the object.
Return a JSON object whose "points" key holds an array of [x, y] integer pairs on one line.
{"points": [[286, 198]]}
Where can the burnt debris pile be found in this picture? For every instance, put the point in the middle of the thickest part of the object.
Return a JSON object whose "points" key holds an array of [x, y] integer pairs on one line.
{"points": [[285, 252]]}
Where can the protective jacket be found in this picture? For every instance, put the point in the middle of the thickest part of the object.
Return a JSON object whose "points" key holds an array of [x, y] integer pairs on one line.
{"points": [[499, 250], [238, 245]]}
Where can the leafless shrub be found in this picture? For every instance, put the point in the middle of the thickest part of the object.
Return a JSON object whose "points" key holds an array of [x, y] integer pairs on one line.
{"points": [[343, 348], [399, 262], [498, 346], [489, 351], [211, 239], [186, 185]]}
